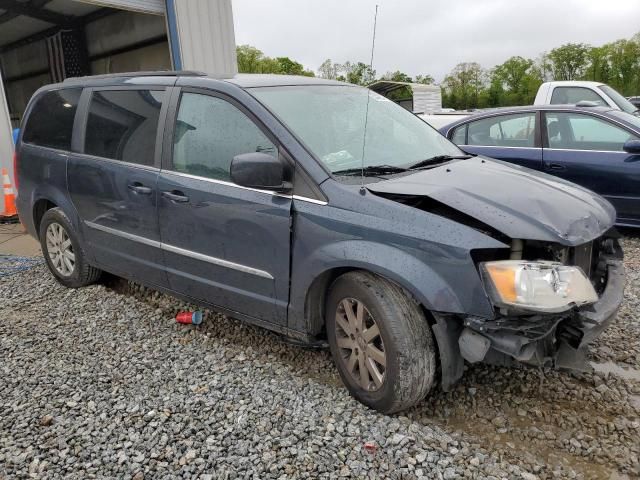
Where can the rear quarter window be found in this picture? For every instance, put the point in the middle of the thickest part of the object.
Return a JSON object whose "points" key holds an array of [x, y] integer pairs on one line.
{"points": [[122, 125], [50, 123]]}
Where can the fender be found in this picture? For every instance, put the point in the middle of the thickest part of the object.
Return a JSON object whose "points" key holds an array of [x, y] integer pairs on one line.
{"points": [[428, 287]]}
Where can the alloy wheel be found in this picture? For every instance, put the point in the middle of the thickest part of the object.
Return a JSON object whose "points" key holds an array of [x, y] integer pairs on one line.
{"points": [[360, 344], [60, 249]]}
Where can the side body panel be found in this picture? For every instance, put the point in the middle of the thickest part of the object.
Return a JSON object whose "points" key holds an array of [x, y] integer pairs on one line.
{"points": [[227, 245], [426, 254], [116, 202]]}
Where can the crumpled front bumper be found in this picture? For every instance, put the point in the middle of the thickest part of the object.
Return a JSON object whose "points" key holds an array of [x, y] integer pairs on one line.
{"points": [[547, 340]]}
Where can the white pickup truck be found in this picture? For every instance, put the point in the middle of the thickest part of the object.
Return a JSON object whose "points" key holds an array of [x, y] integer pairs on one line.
{"points": [[552, 93], [572, 92]]}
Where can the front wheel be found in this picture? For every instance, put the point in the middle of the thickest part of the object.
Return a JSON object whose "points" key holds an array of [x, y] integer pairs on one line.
{"points": [[381, 342], [62, 251]]}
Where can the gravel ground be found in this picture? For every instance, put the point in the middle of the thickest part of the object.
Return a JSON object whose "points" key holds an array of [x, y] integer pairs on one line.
{"points": [[102, 383]]}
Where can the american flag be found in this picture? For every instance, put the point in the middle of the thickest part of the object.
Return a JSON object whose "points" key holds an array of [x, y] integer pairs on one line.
{"points": [[67, 55]]}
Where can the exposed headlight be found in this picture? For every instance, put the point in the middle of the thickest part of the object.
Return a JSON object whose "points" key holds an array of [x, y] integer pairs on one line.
{"points": [[538, 286]]}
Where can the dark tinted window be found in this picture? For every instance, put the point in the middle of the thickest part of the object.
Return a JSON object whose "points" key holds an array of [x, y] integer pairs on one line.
{"points": [[209, 133], [50, 122], [123, 124]]}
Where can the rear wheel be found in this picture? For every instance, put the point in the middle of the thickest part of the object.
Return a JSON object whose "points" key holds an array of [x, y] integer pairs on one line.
{"points": [[62, 252], [381, 342]]}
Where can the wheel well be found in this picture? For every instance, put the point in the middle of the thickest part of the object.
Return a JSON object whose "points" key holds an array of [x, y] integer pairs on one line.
{"points": [[39, 209], [315, 301], [314, 304]]}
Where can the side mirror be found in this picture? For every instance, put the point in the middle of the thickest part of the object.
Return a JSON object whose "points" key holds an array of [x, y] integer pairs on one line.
{"points": [[632, 146], [259, 170]]}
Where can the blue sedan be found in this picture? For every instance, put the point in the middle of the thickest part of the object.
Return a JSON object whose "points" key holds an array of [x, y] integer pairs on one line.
{"points": [[596, 147]]}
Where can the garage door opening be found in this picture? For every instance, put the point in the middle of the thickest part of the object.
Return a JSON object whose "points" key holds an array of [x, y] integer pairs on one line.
{"points": [[44, 42]]}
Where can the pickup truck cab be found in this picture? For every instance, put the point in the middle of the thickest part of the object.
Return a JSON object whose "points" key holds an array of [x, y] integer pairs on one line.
{"points": [[324, 212], [573, 92]]}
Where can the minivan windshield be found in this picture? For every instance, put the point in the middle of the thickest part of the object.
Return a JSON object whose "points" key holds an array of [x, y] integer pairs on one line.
{"points": [[624, 104], [342, 125]]}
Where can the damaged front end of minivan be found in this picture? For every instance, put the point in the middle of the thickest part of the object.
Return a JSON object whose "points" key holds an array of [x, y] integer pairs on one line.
{"points": [[554, 287]]}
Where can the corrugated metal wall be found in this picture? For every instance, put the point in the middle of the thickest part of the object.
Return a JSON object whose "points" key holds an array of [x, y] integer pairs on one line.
{"points": [[206, 36], [426, 98]]}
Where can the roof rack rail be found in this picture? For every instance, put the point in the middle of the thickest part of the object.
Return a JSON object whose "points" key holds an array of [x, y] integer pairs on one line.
{"points": [[156, 73]]}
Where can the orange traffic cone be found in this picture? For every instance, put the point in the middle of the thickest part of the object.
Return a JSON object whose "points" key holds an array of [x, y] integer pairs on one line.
{"points": [[9, 196]]}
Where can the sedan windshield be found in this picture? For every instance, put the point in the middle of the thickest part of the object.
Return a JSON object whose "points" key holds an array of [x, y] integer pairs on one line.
{"points": [[349, 128]]}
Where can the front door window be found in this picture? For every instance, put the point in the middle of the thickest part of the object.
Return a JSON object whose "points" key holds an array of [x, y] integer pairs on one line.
{"points": [[577, 131]]}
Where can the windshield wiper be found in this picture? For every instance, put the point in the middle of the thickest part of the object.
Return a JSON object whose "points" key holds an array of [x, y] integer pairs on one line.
{"points": [[438, 159], [371, 170]]}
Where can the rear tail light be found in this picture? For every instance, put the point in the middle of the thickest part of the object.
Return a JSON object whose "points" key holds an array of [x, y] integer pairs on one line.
{"points": [[15, 170]]}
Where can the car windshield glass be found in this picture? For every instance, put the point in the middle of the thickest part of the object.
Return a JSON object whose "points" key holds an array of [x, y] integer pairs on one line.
{"points": [[343, 125], [624, 104]]}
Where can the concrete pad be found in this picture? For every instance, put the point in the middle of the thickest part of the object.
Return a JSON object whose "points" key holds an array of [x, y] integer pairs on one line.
{"points": [[14, 241]]}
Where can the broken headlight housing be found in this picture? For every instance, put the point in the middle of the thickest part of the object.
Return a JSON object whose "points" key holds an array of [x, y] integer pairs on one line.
{"points": [[537, 286]]}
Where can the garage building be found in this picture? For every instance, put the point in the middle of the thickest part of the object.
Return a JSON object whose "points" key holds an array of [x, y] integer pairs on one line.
{"points": [[46, 41]]}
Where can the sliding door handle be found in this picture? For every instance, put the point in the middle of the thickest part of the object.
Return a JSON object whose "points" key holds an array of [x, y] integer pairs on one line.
{"points": [[138, 188]]}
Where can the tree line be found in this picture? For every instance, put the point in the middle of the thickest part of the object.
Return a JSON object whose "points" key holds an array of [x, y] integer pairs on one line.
{"points": [[469, 85], [516, 81]]}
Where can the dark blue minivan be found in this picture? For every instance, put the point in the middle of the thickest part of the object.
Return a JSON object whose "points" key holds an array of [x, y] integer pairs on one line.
{"points": [[324, 212]]}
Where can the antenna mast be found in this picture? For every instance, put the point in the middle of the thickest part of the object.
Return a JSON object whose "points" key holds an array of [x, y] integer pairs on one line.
{"points": [[366, 117], [373, 42]]}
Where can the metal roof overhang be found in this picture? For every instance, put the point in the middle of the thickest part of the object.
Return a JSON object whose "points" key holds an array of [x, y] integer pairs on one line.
{"points": [[25, 21]]}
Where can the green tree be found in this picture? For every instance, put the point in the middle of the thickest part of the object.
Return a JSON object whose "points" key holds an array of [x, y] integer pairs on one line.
{"points": [[569, 61], [515, 82], [329, 70], [624, 62], [425, 79], [359, 73], [598, 64], [397, 76], [252, 60], [464, 85]]}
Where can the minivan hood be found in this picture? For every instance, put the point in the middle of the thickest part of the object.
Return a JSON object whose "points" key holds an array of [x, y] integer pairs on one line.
{"points": [[516, 201]]}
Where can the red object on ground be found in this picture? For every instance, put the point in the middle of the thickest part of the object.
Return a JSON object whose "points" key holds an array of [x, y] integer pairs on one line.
{"points": [[189, 318], [370, 447]]}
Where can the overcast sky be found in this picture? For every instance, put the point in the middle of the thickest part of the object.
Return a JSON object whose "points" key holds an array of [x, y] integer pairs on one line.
{"points": [[427, 36]]}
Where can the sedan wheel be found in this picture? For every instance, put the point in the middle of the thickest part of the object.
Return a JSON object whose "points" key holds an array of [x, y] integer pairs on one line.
{"points": [[60, 249], [361, 346]]}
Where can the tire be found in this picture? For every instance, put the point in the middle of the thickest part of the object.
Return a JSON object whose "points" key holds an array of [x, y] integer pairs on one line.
{"points": [[404, 338], [74, 272]]}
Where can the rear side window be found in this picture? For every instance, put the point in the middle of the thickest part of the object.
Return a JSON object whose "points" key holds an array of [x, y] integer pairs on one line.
{"points": [[516, 130], [122, 125], [572, 95], [50, 123]]}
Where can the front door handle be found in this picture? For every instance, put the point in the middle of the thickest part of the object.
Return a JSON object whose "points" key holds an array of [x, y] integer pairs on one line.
{"points": [[556, 166], [175, 196], [137, 187]]}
